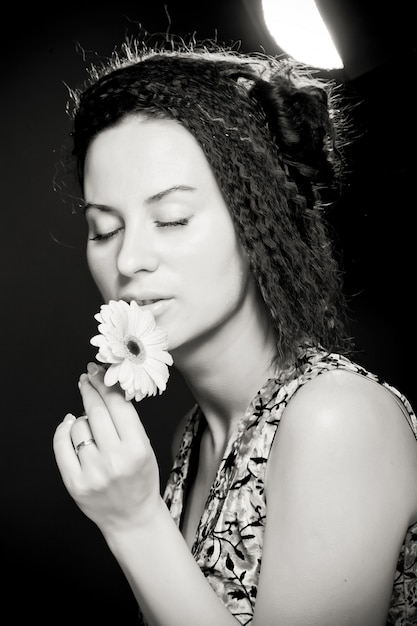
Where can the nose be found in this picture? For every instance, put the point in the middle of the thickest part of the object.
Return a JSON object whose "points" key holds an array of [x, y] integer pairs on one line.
{"points": [[137, 253]]}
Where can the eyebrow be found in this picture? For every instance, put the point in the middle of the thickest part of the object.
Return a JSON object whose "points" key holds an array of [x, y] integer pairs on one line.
{"points": [[151, 200], [166, 192]]}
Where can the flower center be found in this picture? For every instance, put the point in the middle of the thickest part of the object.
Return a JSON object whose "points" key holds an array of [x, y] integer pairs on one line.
{"points": [[135, 349]]}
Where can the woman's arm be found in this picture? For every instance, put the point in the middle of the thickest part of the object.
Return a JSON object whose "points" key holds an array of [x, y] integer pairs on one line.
{"points": [[164, 576], [341, 491], [116, 484]]}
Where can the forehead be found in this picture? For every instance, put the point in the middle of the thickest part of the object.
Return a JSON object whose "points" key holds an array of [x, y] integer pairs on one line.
{"points": [[139, 152], [144, 139]]}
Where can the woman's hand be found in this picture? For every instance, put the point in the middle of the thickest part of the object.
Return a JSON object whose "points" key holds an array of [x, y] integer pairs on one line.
{"points": [[114, 477]]}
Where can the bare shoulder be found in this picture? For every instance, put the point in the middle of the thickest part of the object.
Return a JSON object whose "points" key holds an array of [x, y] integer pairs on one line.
{"points": [[353, 424], [344, 400]]}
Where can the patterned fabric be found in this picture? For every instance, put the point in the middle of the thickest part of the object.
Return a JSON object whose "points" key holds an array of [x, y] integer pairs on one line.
{"points": [[229, 539]]}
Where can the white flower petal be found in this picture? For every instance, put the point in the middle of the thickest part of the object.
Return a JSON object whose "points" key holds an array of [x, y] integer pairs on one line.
{"points": [[147, 385], [98, 340], [107, 357], [158, 372], [160, 355], [144, 322], [157, 337], [126, 374], [111, 376]]}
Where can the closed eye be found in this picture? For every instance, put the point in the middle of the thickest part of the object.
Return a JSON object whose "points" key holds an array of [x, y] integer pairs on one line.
{"points": [[105, 236], [182, 222]]}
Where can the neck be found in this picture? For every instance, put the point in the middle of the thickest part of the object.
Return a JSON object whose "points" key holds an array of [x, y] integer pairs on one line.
{"points": [[226, 370]]}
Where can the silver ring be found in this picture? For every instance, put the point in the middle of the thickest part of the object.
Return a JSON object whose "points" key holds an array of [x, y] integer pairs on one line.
{"points": [[82, 445]]}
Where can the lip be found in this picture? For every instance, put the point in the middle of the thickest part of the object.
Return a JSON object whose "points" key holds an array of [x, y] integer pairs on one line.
{"points": [[150, 301], [156, 306]]}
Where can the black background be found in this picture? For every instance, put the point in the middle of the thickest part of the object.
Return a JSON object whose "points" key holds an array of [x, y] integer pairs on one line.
{"points": [[56, 567]]}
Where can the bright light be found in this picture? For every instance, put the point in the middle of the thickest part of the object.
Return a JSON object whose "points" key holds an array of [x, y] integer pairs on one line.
{"points": [[299, 30]]}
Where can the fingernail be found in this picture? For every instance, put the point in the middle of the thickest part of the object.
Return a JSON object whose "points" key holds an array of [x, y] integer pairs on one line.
{"points": [[69, 417], [92, 369], [83, 379]]}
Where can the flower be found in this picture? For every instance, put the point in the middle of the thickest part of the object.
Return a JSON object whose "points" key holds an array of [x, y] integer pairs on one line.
{"points": [[134, 346]]}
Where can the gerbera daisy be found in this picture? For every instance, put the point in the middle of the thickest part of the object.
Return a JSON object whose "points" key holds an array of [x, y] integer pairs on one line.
{"points": [[134, 346]]}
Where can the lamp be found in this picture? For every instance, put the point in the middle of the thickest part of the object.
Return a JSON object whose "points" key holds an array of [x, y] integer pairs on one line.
{"points": [[298, 28]]}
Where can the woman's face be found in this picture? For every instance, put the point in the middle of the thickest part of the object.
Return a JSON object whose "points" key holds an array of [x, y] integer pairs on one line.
{"points": [[160, 232]]}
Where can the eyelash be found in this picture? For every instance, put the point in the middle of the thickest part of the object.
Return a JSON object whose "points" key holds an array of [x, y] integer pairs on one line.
{"points": [[106, 236], [182, 222]]}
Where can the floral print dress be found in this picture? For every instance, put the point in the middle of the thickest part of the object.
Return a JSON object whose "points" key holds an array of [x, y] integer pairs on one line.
{"points": [[229, 539]]}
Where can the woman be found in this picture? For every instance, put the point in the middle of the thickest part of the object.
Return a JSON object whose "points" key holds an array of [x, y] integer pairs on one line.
{"points": [[293, 494]]}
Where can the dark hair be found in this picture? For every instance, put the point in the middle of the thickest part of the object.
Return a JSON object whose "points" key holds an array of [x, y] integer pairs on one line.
{"points": [[269, 131]]}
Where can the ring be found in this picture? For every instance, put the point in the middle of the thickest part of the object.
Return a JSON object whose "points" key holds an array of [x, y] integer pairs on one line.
{"points": [[82, 445]]}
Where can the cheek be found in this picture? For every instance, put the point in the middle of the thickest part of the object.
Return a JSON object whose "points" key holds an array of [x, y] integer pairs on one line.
{"points": [[238, 276], [92, 263], [223, 271], [100, 271]]}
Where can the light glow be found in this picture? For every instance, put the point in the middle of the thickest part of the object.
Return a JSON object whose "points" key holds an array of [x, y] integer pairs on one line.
{"points": [[299, 30]]}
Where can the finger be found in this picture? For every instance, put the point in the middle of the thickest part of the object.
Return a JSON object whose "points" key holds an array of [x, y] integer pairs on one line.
{"points": [[82, 437], [65, 456], [81, 431], [123, 413], [99, 422]]}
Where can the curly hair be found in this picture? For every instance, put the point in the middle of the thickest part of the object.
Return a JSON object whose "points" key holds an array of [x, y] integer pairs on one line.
{"points": [[270, 133]]}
